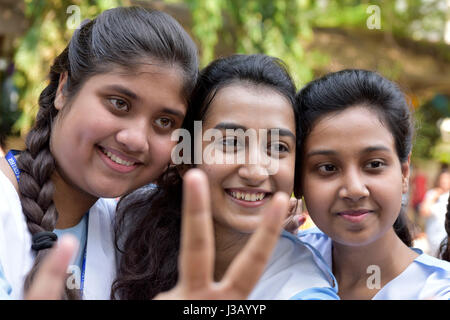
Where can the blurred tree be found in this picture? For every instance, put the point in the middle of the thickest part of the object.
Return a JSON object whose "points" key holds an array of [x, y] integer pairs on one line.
{"points": [[282, 28], [51, 26]]}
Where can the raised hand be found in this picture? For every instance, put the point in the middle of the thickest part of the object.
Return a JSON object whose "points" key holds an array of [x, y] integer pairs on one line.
{"points": [[196, 261], [295, 217], [50, 279]]}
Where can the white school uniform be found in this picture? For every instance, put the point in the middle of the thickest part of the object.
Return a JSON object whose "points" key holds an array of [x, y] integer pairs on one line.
{"points": [[295, 271], [425, 278], [16, 255]]}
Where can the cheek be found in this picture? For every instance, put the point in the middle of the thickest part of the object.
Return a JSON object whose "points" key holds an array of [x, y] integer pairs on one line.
{"points": [[285, 177], [161, 148], [319, 196]]}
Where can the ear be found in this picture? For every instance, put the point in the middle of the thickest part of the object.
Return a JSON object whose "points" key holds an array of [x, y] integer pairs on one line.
{"points": [[60, 97], [405, 174]]}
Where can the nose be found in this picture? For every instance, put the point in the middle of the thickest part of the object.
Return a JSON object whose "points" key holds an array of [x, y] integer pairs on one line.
{"points": [[353, 187], [134, 137], [255, 171], [254, 175]]}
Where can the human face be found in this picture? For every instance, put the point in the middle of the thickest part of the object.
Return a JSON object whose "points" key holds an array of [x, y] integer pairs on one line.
{"points": [[248, 107], [114, 135], [352, 178], [444, 181]]}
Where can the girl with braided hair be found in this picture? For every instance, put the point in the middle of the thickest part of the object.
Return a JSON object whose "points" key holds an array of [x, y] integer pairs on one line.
{"points": [[103, 129]]}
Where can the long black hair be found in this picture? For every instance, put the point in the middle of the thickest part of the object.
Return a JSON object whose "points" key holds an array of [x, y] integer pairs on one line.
{"points": [[123, 37], [149, 221], [444, 249], [337, 91]]}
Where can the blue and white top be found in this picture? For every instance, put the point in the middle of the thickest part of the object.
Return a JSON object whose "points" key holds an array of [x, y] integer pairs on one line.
{"points": [[16, 255], [425, 278], [295, 271]]}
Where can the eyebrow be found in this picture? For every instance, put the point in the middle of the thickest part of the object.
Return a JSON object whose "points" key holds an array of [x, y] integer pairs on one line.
{"points": [[173, 112], [327, 152], [235, 126], [123, 90], [229, 125]]}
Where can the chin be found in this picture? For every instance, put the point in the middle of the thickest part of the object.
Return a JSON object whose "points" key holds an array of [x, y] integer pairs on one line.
{"points": [[106, 191]]}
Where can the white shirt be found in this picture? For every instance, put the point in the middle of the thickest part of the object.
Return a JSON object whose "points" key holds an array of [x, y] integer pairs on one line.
{"points": [[425, 278], [295, 271], [435, 223], [16, 256]]}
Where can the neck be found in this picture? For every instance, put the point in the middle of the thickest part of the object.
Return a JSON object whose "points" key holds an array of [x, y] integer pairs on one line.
{"points": [[228, 244], [71, 202], [356, 268]]}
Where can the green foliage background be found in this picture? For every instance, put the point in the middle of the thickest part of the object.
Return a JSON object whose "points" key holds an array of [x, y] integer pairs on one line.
{"points": [[47, 36]]}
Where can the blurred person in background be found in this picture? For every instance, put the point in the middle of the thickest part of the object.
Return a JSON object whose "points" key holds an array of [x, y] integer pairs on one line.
{"points": [[419, 189], [433, 209]]}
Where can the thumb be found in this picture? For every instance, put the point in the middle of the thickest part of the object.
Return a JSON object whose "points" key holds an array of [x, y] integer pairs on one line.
{"points": [[49, 281]]}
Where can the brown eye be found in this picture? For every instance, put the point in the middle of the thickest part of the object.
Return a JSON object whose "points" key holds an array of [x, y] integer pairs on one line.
{"points": [[278, 148], [327, 168], [376, 164], [164, 123], [119, 104]]}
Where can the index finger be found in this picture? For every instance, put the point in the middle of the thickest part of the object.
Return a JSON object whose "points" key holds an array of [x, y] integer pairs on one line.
{"points": [[246, 269], [197, 237]]}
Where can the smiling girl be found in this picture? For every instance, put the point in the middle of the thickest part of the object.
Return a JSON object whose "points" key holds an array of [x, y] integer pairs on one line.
{"points": [[356, 145], [103, 129], [240, 93]]}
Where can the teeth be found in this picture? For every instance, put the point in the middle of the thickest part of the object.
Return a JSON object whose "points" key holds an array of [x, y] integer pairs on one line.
{"points": [[248, 196], [117, 159]]}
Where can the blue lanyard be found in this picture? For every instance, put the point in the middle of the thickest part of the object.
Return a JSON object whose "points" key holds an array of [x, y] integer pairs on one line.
{"points": [[83, 267], [13, 162]]}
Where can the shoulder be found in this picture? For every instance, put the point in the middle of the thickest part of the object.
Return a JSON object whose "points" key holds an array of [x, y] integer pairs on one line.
{"points": [[9, 198], [15, 240], [7, 172], [434, 266], [293, 271], [314, 237], [435, 275], [432, 277]]}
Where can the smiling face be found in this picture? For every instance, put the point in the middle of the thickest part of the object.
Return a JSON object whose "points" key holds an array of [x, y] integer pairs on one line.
{"points": [[114, 135], [352, 178], [240, 190]]}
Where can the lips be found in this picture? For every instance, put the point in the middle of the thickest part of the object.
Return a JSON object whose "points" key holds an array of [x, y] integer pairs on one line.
{"points": [[355, 216], [116, 161]]}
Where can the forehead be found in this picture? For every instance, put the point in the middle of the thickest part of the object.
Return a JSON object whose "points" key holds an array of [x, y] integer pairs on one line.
{"points": [[255, 106], [151, 83], [353, 129]]}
